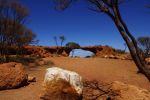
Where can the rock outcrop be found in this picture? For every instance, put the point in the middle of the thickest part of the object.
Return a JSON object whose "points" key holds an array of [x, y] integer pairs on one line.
{"points": [[12, 75], [129, 92], [31, 79], [37, 51], [94, 90], [148, 61], [100, 50], [50, 51], [121, 57], [43, 51], [62, 84]]}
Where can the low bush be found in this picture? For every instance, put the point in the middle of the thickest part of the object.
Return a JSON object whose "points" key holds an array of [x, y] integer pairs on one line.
{"points": [[120, 51], [19, 59]]}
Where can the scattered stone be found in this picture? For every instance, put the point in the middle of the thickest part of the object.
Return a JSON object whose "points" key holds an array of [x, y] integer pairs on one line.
{"points": [[148, 61], [40, 63], [96, 92], [32, 64], [93, 90], [113, 57], [31, 79], [115, 91], [64, 53], [129, 92], [121, 57]]}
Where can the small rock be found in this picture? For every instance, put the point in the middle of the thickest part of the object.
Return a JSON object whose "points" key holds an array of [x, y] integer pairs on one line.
{"points": [[41, 63], [31, 79], [148, 61], [96, 92]]}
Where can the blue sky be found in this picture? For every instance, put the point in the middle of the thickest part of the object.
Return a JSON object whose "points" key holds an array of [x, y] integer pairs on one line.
{"points": [[78, 24]]}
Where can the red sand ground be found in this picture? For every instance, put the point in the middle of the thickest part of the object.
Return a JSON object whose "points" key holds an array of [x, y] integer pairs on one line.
{"points": [[105, 70]]}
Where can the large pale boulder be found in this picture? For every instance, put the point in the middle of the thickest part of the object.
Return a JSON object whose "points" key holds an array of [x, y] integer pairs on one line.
{"points": [[12, 75], [60, 83], [56, 73]]}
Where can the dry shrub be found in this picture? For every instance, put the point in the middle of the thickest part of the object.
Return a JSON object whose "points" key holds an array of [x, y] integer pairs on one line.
{"points": [[94, 90]]}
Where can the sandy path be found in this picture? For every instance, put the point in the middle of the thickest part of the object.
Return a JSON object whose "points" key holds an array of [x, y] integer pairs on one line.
{"points": [[106, 70]]}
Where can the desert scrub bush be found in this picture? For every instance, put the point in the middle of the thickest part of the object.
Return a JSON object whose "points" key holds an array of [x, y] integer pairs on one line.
{"points": [[45, 62], [2, 59], [48, 62], [55, 55], [19, 59], [119, 51]]}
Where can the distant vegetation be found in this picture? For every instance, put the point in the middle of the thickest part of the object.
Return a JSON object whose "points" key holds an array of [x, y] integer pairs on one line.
{"points": [[122, 51], [119, 51], [72, 45], [19, 59], [13, 32], [61, 39], [144, 44]]}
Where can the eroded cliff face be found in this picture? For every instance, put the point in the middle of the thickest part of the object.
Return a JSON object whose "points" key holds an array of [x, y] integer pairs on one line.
{"points": [[99, 51]]}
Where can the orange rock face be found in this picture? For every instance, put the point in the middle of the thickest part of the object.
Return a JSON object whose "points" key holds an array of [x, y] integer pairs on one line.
{"points": [[129, 92], [114, 91], [37, 51], [49, 51], [100, 50], [12, 75]]}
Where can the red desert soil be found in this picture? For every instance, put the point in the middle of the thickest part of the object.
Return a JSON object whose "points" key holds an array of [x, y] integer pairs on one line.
{"points": [[104, 70]]}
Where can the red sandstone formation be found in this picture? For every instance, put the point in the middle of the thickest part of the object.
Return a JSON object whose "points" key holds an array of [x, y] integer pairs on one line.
{"points": [[100, 50], [49, 51], [12, 75]]}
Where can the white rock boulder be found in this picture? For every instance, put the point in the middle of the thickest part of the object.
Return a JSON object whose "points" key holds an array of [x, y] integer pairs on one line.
{"points": [[53, 74]]}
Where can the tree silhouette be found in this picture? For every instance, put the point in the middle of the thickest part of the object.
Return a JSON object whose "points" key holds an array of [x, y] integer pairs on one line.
{"points": [[62, 39], [125, 47], [111, 9], [72, 45], [144, 43], [56, 42], [55, 39], [12, 29]]}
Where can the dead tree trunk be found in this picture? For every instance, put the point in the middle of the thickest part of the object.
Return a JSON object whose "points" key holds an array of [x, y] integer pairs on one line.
{"points": [[142, 67], [131, 42], [111, 8]]}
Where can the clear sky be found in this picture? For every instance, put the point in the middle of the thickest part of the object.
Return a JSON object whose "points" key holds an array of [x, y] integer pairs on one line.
{"points": [[78, 24]]}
